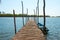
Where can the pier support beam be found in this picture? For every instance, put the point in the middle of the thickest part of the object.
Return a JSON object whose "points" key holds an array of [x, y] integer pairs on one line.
{"points": [[45, 30], [14, 21], [22, 12]]}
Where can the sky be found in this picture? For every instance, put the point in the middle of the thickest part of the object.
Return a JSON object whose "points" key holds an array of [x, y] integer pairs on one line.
{"points": [[52, 6]]}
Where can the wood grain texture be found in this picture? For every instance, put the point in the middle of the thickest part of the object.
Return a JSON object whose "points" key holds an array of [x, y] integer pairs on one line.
{"points": [[29, 32]]}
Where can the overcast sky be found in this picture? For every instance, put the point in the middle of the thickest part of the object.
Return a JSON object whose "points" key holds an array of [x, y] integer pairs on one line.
{"points": [[52, 6]]}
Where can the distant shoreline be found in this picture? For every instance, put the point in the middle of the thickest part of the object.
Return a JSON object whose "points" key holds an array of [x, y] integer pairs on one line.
{"points": [[24, 15], [20, 15]]}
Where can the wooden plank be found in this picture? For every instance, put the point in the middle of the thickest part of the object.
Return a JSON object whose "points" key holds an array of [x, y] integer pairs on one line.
{"points": [[29, 32]]}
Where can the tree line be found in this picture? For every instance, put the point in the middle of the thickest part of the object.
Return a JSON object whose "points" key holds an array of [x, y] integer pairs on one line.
{"points": [[20, 15]]}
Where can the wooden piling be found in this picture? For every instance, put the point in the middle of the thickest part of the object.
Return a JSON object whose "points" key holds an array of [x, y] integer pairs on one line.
{"points": [[45, 30], [27, 15], [14, 21], [38, 9], [44, 11], [34, 14], [22, 12]]}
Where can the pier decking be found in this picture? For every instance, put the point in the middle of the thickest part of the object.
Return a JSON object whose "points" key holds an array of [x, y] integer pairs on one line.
{"points": [[30, 31]]}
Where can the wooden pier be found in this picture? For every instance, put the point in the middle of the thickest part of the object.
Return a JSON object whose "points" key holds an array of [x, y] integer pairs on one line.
{"points": [[30, 31]]}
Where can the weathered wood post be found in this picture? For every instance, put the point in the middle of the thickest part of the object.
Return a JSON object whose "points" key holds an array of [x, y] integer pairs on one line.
{"points": [[34, 14], [44, 13], [14, 21], [27, 15], [45, 30], [38, 10], [22, 12]]}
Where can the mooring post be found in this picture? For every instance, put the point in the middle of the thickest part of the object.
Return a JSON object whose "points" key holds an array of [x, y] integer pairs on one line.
{"points": [[44, 14], [34, 14], [27, 15], [22, 12], [45, 30], [38, 10], [14, 21]]}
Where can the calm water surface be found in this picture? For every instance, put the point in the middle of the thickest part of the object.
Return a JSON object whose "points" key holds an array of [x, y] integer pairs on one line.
{"points": [[7, 27]]}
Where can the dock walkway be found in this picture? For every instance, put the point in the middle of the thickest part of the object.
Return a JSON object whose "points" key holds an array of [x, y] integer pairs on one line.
{"points": [[30, 31]]}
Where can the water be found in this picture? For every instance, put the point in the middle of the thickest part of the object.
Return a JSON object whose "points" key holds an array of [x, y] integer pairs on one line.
{"points": [[7, 27], [53, 24]]}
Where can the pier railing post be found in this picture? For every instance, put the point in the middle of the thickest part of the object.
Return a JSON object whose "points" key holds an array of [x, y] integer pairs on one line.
{"points": [[34, 14], [14, 21], [27, 15], [38, 11], [44, 14], [45, 30], [22, 12]]}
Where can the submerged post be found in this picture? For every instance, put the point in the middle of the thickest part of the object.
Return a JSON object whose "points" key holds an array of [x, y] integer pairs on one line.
{"points": [[38, 10], [45, 30], [34, 14], [22, 13], [14, 21], [44, 13], [27, 15]]}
